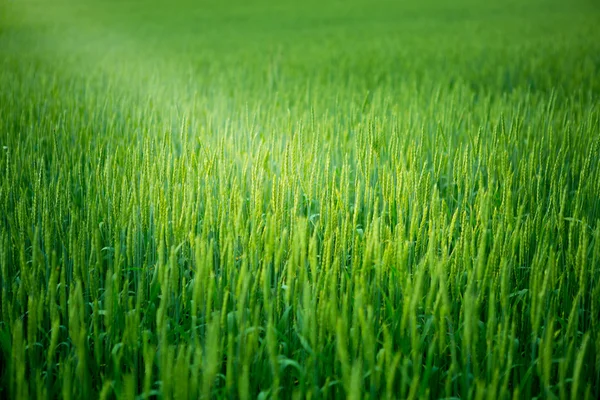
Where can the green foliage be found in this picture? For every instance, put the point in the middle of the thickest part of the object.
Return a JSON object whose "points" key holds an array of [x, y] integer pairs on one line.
{"points": [[299, 199]]}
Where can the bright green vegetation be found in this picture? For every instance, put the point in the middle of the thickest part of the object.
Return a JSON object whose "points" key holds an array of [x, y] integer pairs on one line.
{"points": [[300, 199]]}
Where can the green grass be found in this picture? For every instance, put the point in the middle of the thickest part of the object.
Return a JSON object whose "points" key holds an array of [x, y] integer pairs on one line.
{"points": [[324, 199]]}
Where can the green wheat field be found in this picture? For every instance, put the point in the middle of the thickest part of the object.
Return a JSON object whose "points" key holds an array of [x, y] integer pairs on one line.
{"points": [[299, 199]]}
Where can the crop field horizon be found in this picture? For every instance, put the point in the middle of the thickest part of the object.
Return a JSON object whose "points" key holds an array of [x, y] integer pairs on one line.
{"points": [[283, 199]]}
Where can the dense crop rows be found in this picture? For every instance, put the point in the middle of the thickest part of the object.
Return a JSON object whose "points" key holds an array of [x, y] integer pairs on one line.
{"points": [[363, 199]]}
